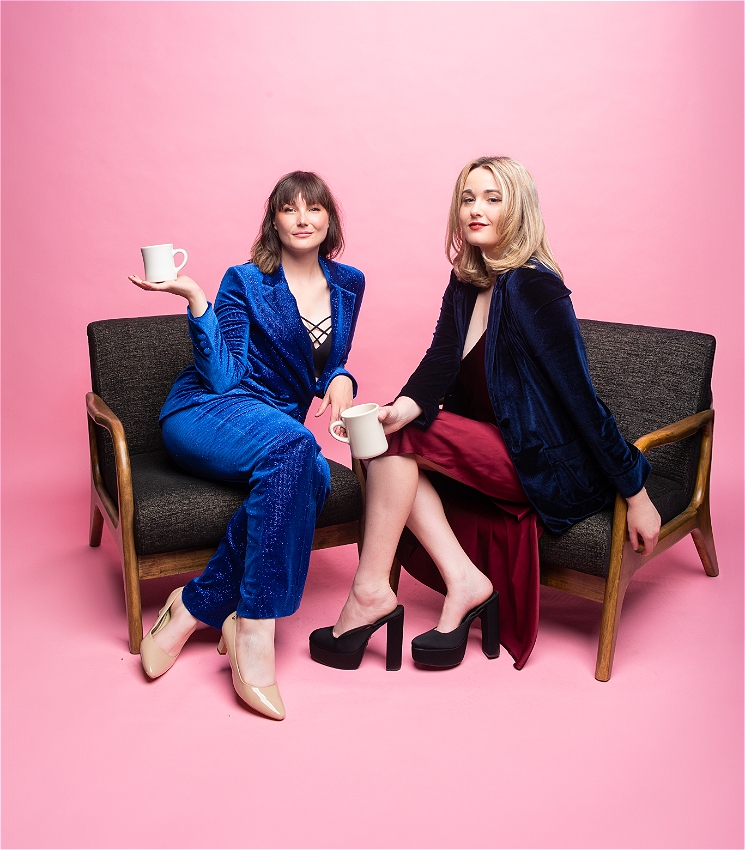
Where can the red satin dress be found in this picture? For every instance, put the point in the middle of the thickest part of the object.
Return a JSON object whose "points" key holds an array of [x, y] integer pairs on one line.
{"points": [[484, 502]]}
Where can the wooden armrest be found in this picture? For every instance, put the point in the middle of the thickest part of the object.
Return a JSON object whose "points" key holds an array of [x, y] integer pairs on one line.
{"points": [[359, 471], [100, 413], [103, 415], [675, 432]]}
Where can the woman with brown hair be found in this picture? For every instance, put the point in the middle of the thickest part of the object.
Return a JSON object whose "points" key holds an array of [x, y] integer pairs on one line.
{"points": [[279, 333], [522, 441]]}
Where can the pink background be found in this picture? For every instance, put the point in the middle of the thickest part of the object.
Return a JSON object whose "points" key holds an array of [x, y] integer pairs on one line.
{"points": [[126, 124]]}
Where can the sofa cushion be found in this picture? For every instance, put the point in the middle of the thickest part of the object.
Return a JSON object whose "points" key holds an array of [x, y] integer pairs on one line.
{"points": [[174, 510], [585, 547]]}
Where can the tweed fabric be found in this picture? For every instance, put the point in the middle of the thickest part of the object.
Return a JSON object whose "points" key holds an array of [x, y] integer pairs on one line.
{"points": [[134, 363], [175, 510], [652, 377], [585, 547]]}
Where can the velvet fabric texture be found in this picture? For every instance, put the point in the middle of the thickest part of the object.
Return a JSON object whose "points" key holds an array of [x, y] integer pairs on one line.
{"points": [[237, 414], [564, 442]]}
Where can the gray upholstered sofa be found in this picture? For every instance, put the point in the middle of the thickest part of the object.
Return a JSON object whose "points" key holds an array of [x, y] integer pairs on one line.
{"points": [[656, 381]]}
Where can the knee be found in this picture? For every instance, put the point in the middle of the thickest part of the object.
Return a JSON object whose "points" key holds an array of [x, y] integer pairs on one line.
{"points": [[296, 447]]}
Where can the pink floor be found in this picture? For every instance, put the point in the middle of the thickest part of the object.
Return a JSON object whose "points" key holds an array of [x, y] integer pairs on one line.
{"points": [[479, 756], [134, 123]]}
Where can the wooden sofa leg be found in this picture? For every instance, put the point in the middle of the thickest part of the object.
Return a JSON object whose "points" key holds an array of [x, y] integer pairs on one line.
{"points": [[395, 575], [96, 525], [608, 634], [133, 602], [703, 537], [615, 591]]}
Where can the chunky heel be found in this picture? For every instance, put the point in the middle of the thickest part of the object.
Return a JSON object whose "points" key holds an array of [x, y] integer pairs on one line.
{"points": [[346, 651], [395, 641], [447, 649], [490, 628]]}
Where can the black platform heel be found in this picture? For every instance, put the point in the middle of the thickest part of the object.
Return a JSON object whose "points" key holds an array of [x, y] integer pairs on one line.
{"points": [[447, 649], [345, 652]]}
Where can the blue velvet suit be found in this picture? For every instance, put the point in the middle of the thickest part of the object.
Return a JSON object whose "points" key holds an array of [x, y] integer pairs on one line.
{"points": [[563, 440], [237, 415]]}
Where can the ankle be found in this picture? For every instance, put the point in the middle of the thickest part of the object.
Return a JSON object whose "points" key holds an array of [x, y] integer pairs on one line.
{"points": [[259, 630], [371, 594], [180, 614]]}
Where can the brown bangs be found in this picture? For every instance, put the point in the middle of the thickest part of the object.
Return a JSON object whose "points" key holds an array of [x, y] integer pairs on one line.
{"points": [[266, 251], [303, 184]]}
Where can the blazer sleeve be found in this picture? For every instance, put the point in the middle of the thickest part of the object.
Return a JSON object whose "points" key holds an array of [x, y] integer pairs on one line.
{"points": [[358, 291], [553, 334], [441, 363], [220, 337]]}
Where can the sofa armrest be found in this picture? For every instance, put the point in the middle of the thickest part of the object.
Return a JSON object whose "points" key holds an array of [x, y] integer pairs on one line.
{"points": [[675, 432], [101, 414]]}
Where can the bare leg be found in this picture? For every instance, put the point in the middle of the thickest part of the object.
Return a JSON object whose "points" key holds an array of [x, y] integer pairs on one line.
{"points": [[399, 494], [254, 649], [391, 490], [466, 585], [254, 643]]}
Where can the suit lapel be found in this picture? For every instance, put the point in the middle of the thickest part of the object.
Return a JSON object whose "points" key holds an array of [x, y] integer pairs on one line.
{"points": [[288, 326], [342, 310]]}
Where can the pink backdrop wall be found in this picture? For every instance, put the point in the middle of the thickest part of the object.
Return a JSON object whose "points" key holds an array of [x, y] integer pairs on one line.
{"points": [[130, 124], [126, 124]]}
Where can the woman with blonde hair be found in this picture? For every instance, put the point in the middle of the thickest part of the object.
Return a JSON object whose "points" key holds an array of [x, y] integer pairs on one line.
{"points": [[522, 441]]}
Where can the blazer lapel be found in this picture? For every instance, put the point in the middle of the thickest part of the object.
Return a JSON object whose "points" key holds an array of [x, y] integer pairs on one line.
{"points": [[492, 328], [287, 322], [342, 310]]}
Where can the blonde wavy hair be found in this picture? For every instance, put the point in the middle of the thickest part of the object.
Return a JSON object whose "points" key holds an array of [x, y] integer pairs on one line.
{"points": [[522, 237]]}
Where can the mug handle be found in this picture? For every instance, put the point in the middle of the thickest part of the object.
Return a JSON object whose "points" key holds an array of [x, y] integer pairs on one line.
{"points": [[186, 257], [334, 434]]}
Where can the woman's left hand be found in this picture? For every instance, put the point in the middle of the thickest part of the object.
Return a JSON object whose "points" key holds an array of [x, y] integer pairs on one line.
{"points": [[339, 396], [643, 522]]}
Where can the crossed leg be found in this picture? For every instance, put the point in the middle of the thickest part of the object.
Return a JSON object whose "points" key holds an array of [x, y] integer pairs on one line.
{"points": [[400, 494]]}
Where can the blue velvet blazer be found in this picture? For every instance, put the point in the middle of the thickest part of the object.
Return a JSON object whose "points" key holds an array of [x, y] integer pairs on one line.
{"points": [[253, 343], [563, 441]]}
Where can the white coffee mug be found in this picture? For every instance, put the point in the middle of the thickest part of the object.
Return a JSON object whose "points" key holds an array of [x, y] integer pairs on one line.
{"points": [[365, 433], [159, 264]]}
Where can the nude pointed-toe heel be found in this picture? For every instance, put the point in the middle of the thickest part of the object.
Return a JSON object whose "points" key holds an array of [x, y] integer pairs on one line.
{"points": [[266, 701], [156, 662]]}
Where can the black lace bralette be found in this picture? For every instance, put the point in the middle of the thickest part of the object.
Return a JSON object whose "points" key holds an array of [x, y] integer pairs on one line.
{"points": [[320, 337]]}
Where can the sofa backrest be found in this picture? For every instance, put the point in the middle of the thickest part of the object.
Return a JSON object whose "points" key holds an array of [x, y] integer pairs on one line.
{"points": [[651, 377], [648, 377], [134, 363]]}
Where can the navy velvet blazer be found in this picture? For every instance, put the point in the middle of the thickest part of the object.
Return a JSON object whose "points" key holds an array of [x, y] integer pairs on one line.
{"points": [[253, 343], [563, 441]]}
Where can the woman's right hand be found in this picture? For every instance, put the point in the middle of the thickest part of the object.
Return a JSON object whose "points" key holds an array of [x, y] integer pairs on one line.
{"points": [[183, 286], [395, 416]]}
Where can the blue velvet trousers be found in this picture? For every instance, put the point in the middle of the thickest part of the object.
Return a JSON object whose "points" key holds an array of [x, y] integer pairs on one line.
{"points": [[260, 566]]}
